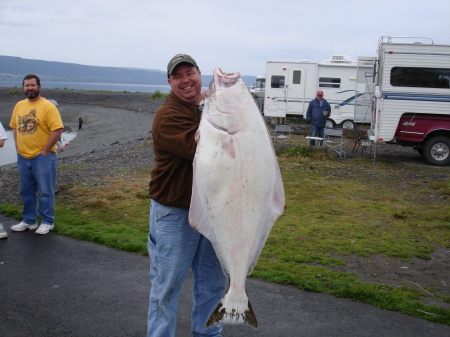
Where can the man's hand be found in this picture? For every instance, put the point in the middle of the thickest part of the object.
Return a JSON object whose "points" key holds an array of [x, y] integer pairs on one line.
{"points": [[54, 136]]}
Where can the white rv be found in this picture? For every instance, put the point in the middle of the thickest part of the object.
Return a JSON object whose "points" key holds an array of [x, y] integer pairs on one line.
{"points": [[411, 103], [292, 85]]}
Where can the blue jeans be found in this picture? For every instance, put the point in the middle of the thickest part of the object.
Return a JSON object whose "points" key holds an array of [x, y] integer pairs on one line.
{"points": [[37, 187], [174, 247], [316, 131]]}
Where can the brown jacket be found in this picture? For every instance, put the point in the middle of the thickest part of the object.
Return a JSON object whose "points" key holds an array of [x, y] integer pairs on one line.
{"points": [[174, 127]]}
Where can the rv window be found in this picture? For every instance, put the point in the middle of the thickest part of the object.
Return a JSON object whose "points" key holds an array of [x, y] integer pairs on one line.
{"points": [[277, 81], [329, 82], [420, 77], [260, 83], [296, 76]]}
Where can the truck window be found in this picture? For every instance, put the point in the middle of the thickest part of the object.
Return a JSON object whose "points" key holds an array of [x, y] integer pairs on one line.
{"points": [[296, 76], [277, 81], [420, 77], [329, 82]]}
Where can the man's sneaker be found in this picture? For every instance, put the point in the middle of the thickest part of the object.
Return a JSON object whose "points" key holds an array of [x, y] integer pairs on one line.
{"points": [[22, 226], [44, 229], [3, 233]]}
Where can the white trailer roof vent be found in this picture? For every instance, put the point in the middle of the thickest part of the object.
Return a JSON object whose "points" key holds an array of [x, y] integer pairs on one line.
{"points": [[341, 59], [366, 60]]}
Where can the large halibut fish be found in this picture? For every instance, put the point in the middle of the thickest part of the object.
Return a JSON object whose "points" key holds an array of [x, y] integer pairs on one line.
{"points": [[237, 190]]}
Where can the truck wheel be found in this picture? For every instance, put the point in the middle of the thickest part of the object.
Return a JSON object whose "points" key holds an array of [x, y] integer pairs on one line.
{"points": [[348, 124], [437, 151], [330, 124]]}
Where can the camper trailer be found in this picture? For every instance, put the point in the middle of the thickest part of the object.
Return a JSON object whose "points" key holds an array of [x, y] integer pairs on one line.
{"points": [[411, 100], [292, 85]]}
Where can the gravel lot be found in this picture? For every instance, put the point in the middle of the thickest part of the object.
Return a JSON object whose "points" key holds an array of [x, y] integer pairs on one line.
{"points": [[116, 135]]}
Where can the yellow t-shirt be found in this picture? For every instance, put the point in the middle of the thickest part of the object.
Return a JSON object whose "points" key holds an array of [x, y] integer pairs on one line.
{"points": [[34, 122]]}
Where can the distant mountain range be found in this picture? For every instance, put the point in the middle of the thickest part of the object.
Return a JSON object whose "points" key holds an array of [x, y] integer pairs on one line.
{"points": [[15, 68]]}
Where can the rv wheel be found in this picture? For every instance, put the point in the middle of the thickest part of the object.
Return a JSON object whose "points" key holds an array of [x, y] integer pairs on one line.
{"points": [[437, 151], [348, 124], [330, 124]]}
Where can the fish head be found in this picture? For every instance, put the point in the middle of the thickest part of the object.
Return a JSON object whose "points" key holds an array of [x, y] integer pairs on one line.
{"points": [[227, 99]]}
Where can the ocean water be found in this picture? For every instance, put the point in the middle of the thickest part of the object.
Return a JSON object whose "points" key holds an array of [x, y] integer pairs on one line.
{"points": [[96, 86], [8, 154]]}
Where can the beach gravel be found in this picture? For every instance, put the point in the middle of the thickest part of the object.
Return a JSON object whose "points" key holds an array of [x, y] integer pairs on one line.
{"points": [[116, 134]]}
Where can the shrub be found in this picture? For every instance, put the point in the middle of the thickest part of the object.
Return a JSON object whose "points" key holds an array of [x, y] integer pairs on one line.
{"points": [[158, 94]]}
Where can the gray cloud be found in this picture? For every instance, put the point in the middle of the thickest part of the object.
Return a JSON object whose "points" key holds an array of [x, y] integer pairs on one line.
{"points": [[234, 35]]}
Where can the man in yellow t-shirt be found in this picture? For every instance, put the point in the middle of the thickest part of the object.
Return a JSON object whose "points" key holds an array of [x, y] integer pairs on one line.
{"points": [[37, 126]]}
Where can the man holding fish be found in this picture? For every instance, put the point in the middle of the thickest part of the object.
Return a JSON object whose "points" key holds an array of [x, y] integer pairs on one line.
{"points": [[174, 246]]}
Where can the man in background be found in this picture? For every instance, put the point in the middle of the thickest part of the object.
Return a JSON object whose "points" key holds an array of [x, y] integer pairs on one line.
{"points": [[316, 114], [37, 126]]}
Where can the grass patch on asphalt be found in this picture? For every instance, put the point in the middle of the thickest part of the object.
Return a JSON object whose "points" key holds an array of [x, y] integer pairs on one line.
{"points": [[333, 208], [113, 212]]}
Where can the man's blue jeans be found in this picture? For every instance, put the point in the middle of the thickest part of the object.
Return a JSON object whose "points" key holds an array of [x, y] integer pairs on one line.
{"points": [[174, 247], [37, 187], [316, 131]]}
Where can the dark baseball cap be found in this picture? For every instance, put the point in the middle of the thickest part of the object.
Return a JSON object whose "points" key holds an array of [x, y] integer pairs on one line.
{"points": [[177, 59]]}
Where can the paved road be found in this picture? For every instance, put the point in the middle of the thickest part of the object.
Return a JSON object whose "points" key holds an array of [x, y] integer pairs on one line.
{"points": [[56, 286]]}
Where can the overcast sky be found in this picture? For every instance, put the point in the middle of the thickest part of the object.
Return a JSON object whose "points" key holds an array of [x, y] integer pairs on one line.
{"points": [[233, 35]]}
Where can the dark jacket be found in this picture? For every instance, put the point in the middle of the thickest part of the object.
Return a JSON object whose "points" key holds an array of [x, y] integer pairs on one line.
{"points": [[314, 113], [174, 127]]}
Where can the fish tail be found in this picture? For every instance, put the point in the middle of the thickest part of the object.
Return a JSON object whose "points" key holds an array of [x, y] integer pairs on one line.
{"points": [[232, 313]]}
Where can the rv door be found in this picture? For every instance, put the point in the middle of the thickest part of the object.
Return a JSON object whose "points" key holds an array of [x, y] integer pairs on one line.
{"points": [[295, 91], [275, 101]]}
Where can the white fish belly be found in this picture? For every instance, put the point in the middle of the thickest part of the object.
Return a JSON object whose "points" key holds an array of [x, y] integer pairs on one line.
{"points": [[237, 191], [236, 195]]}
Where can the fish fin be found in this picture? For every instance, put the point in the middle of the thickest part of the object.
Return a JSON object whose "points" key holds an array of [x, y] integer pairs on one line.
{"points": [[275, 208], [278, 197], [198, 219], [228, 312]]}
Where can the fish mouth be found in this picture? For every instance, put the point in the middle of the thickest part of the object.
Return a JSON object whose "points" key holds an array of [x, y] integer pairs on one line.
{"points": [[225, 80]]}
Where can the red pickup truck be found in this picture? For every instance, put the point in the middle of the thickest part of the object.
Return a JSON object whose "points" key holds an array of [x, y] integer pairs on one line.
{"points": [[429, 134]]}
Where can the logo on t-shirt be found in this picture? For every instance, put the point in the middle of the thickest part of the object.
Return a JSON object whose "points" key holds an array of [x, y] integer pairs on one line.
{"points": [[28, 124]]}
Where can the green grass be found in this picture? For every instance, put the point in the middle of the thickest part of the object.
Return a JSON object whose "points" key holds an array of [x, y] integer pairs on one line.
{"points": [[333, 209], [158, 94], [347, 214]]}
